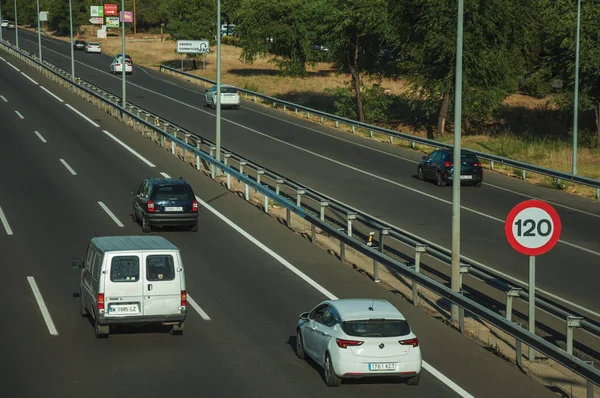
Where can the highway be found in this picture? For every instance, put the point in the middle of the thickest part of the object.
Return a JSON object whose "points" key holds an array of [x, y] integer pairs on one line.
{"points": [[373, 177], [66, 180]]}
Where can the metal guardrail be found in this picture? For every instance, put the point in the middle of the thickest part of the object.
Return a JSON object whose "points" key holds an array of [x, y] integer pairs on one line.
{"points": [[146, 123], [558, 175]]}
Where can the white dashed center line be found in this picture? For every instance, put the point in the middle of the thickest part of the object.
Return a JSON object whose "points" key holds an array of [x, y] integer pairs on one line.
{"points": [[68, 167], [51, 93], [40, 137], [3, 99], [93, 123], [111, 214], [124, 145], [14, 67], [33, 81], [19, 115], [5, 223], [42, 305]]}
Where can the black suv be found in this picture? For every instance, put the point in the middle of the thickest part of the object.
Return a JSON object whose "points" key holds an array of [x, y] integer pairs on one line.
{"points": [[161, 202]]}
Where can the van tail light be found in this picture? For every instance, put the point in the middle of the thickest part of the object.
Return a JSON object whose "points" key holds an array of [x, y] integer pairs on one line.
{"points": [[413, 342], [195, 206], [448, 164], [183, 298], [100, 301], [348, 343], [150, 206]]}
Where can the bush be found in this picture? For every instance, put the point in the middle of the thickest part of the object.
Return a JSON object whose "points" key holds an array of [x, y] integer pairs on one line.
{"points": [[376, 104], [538, 84], [231, 40]]}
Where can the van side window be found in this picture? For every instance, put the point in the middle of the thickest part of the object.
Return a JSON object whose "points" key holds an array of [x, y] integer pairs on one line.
{"points": [[160, 268], [95, 264], [125, 269], [88, 257]]}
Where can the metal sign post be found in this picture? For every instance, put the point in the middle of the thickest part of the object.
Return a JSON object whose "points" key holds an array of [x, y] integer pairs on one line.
{"points": [[218, 102], [532, 228]]}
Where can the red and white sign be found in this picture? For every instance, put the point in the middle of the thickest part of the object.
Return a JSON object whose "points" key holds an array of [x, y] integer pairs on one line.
{"points": [[110, 10], [532, 227]]}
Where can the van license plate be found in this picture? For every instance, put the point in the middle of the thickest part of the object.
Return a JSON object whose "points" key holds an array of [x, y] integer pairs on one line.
{"points": [[382, 366], [123, 309], [173, 208]]}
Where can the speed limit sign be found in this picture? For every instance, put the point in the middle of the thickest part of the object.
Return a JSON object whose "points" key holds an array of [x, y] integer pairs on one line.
{"points": [[532, 227]]}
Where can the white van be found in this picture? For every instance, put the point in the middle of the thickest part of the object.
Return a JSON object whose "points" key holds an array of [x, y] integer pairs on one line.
{"points": [[132, 280]]}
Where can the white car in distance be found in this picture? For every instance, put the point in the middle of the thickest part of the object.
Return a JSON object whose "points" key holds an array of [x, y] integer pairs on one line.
{"points": [[355, 338], [93, 47], [5, 23], [230, 97], [117, 66]]}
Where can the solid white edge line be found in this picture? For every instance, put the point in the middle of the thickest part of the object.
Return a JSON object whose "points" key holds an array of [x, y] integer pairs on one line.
{"points": [[199, 310], [33, 81], [68, 167], [14, 67], [2, 59], [452, 385], [124, 145], [5, 222], [40, 136], [19, 115], [93, 123], [42, 305], [51, 93], [3, 98], [165, 174], [111, 214]]}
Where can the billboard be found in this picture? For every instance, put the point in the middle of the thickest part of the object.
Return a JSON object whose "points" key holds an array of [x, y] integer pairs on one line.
{"points": [[112, 22], [128, 16], [96, 11], [110, 10], [193, 46], [43, 16]]}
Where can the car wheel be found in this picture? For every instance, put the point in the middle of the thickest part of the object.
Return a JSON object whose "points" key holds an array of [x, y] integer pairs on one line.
{"points": [[413, 381], [420, 174], [213, 105], [82, 311], [145, 227], [331, 378], [299, 345], [439, 180], [194, 228], [101, 331], [177, 330], [478, 183]]}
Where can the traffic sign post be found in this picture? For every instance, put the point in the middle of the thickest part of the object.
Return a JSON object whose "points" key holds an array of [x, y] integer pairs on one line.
{"points": [[532, 228]]}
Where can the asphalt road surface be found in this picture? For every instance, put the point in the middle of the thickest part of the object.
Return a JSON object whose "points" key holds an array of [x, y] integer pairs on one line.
{"points": [[65, 180]]}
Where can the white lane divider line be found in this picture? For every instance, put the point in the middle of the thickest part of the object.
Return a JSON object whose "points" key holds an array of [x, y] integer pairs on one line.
{"points": [[436, 373], [30, 79], [93, 123], [5, 223], [199, 310], [68, 167], [14, 67], [2, 59], [42, 305], [111, 214], [40, 136], [162, 173], [19, 115], [124, 145], [3, 98], [51, 93]]}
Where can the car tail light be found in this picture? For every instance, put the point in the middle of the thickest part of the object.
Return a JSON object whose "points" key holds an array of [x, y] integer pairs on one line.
{"points": [[347, 343], [195, 205], [478, 164], [183, 298], [117, 64], [413, 342], [100, 301], [448, 164], [150, 206]]}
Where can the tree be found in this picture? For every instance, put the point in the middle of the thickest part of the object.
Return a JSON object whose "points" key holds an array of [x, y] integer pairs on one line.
{"points": [[560, 24], [494, 46]]}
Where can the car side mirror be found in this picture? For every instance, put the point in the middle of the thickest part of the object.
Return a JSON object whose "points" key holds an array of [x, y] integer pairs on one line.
{"points": [[424, 158], [133, 193], [77, 263], [304, 316]]}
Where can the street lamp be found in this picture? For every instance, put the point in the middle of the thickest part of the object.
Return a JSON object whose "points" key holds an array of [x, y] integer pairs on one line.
{"points": [[1, 38], [39, 30], [576, 94], [455, 268], [16, 26], [123, 60], [71, 34], [218, 102]]}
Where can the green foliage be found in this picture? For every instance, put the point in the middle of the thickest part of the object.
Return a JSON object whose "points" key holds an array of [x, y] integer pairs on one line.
{"points": [[538, 84], [191, 19], [376, 103], [231, 40]]}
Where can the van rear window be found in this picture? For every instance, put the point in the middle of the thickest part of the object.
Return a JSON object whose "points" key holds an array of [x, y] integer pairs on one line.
{"points": [[125, 269], [160, 268]]}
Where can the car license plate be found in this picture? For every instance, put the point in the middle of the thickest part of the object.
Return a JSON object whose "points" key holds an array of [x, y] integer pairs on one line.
{"points": [[173, 208], [466, 177], [123, 309], [382, 366]]}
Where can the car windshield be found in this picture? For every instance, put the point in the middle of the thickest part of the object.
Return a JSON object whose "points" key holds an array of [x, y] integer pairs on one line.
{"points": [[376, 328], [173, 192]]}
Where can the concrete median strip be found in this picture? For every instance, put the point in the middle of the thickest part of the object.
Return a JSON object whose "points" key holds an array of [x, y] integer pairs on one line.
{"points": [[42, 305]]}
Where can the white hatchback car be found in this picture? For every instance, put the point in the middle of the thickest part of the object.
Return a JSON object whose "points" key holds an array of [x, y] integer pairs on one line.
{"points": [[117, 66], [354, 338], [93, 47], [4, 23], [230, 97]]}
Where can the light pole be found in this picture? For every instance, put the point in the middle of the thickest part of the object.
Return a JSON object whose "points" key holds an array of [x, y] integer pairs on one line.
{"points": [[123, 60], [1, 38], [455, 274], [39, 30], [576, 94], [218, 102], [16, 26], [71, 33]]}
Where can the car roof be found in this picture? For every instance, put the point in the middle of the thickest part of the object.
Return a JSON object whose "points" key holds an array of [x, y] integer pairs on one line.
{"points": [[164, 181], [354, 309], [224, 85], [125, 243]]}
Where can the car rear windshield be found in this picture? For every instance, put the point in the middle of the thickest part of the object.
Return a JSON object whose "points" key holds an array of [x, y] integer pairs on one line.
{"points": [[376, 328], [228, 90], [173, 192], [466, 157]]}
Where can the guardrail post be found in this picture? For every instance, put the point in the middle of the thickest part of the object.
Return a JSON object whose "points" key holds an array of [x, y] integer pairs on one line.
{"points": [[382, 233], [266, 204], [198, 156], [308, 115], [391, 139], [255, 98], [259, 173], [492, 165], [572, 322], [242, 164], [212, 150], [321, 119], [313, 233], [518, 350], [420, 248], [337, 124], [524, 174], [226, 157], [187, 138], [512, 293], [371, 133], [412, 144], [597, 193], [590, 385], [296, 111], [349, 217], [284, 107], [278, 182], [342, 247], [353, 128], [299, 194], [324, 204], [464, 268]]}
